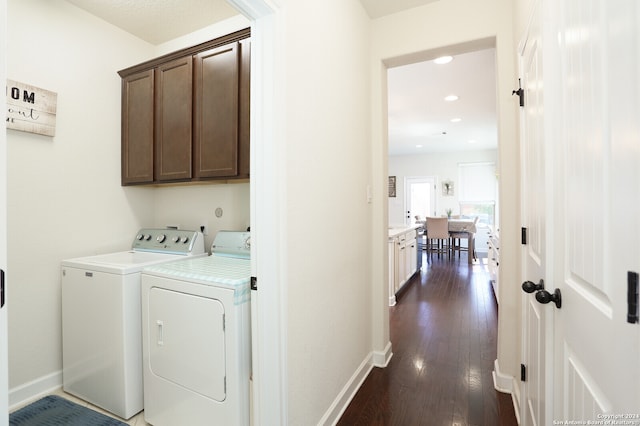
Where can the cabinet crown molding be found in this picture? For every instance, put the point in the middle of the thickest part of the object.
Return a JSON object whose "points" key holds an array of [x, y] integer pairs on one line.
{"points": [[189, 51]]}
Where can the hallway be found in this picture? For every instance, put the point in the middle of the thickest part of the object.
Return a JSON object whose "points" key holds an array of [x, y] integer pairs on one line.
{"points": [[443, 330]]}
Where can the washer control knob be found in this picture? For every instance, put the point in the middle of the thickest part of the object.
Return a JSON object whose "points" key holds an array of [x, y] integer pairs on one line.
{"points": [[161, 238], [176, 239], [147, 237], [140, 237], [185, 240]]}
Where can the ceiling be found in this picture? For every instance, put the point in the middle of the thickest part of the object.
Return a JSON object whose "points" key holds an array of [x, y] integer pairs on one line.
{"points": [[158, 21], [417, 113], [420, 118]]}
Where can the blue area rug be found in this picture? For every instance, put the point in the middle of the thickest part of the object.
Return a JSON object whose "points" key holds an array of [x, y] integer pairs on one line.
{"points": [[54, 410]]}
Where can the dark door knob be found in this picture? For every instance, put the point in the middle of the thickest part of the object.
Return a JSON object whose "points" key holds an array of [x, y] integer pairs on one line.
{"points": [[544, 297], [530, 287]]}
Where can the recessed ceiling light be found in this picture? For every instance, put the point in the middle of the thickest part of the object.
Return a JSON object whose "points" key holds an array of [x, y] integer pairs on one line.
{"points": [[456, 120], [443, 60], [472, 141], [418, 146], [451, 98]]}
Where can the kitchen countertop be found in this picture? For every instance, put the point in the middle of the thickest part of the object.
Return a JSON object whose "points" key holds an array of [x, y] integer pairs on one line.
{"points": [[394, 231]]}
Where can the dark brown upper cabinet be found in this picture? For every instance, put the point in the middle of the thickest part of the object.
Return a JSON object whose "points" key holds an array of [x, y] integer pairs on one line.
{"points": [[216, 112], [174, 107], [185, 116], [137, 127]]}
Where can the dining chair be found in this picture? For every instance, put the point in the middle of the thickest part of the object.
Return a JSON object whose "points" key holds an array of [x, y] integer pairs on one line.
{"points": [[456, 241], [438, 234]]}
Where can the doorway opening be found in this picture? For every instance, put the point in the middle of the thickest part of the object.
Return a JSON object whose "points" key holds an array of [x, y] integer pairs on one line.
{"points": [[429, 136]]}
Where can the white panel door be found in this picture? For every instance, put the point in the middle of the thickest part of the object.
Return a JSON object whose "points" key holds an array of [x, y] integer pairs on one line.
{"points": [[420, 198], [597, 364], [537, 341]]}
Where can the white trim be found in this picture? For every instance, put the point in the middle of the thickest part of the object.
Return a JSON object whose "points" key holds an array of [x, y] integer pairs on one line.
{"points": [[4, 342], [502, 382], [268, 221], [381, 359], [34, 389], [342, 401]]}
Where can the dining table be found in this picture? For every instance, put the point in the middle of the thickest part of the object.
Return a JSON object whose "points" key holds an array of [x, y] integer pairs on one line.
{"points": [[461, 226]]}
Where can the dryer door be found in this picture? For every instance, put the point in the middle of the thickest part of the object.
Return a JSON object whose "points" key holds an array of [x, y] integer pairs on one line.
{"points": [[187, 341]]}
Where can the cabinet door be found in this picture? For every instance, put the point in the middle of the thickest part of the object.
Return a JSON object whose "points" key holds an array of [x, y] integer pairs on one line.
{"points": [[244, 128], [137, 128], [216, 112], [174, 105], [412, 255]]}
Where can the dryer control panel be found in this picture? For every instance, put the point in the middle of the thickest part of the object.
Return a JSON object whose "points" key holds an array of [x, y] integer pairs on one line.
{"points": [[232, 244]]}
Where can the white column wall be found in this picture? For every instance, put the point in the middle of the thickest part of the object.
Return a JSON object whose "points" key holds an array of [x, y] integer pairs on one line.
{"points": [[326, 159]]}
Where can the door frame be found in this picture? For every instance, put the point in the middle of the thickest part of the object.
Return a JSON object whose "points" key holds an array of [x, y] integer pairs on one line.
{"points": [[4, 362], [268, 331]]}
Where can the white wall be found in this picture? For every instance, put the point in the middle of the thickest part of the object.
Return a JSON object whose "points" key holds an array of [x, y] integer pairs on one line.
{"points": [[424, 33], [326, 153], [64, 193], [442, 166]]}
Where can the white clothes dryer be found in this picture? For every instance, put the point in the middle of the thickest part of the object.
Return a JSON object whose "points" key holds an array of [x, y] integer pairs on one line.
{"points": [[196, 337], [101, 318]]}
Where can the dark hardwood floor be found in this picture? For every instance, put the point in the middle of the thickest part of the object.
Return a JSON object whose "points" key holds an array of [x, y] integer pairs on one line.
{"points": [[443, 331]]}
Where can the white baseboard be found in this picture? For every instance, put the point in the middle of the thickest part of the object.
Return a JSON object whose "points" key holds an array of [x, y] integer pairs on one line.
{"points": [[381, 359], [33, 390], [343, 399], [501, 382]]}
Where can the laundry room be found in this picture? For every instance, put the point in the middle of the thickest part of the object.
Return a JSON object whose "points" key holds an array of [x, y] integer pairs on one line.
{"points": [[65, 197]]}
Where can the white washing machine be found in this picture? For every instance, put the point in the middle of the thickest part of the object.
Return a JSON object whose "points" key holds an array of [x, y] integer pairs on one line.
{"points": [[196, 337], [101, 318]]}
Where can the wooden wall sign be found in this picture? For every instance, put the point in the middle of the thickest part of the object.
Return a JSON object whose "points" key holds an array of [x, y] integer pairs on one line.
{"points": [[31, 109]]}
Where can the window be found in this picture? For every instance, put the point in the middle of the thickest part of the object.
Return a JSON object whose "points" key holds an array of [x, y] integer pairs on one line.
{"points": [[477, 192]]}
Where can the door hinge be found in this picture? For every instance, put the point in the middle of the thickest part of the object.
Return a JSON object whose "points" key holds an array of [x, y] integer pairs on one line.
{"points": [[519, 92], [254, 283], [632, 297], [1, 288], [523, 373], [523, 236]]}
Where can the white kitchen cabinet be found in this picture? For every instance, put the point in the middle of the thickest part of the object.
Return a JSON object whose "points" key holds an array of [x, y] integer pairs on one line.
{"points": [[493, 260], [403, 259], [411, 255]]}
